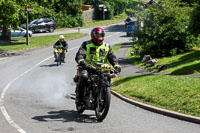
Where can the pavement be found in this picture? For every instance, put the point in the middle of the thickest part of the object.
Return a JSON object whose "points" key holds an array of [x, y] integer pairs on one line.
{"points": [[129, 69]]}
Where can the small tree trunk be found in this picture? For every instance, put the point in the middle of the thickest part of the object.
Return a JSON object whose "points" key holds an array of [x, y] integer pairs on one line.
{"points": [[6, 35]]}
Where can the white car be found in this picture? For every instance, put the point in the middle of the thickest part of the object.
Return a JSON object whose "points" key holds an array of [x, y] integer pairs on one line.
{"points": [[20, 33]]}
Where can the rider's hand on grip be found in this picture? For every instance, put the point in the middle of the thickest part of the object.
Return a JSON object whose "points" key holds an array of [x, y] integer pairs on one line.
{"points": [[90, 67], [118, 69]]}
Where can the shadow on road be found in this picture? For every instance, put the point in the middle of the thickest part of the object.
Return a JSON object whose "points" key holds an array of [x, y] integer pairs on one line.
{"points": [[115, 28], [66, 116], [50, 65], [123, 60]]}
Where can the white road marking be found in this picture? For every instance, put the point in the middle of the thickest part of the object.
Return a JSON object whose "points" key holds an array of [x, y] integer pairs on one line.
{"points": [[2, 107], [3, 58]]}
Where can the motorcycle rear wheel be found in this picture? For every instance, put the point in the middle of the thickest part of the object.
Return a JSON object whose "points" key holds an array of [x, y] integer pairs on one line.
{"points": [[103, 103], [80, 109]]}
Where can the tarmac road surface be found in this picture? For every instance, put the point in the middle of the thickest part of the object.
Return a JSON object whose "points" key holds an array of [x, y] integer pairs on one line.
{"points": [[35, 97]]}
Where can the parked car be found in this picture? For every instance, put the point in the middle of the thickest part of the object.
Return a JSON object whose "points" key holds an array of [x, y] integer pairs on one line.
{"points": [[1, 28], [41, 25], [131, 27], [20, 33]]}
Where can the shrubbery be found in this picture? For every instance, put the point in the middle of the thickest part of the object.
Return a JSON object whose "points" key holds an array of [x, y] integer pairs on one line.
{"points": [[165, 30], [195, 19]]}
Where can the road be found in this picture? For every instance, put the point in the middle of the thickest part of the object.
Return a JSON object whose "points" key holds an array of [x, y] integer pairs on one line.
{"points": [[35, 97]]}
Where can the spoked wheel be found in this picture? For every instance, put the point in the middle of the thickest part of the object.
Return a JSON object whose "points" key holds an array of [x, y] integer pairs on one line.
{"points": [[103, 103], [59, 60]]}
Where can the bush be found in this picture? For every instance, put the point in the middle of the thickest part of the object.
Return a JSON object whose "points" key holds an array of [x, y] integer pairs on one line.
{"points": [[195, 19], [165, 30], [69, 21]]}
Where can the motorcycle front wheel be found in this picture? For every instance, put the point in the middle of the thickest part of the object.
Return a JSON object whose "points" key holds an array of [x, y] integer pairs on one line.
{"points": [[80, 109], [103, 103], [59, 60]]}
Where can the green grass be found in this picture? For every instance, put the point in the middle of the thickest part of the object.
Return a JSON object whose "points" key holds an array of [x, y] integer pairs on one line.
{"points": [[177, 93], [93, 23], [187, 63], [19, 44], [116, 47], [118, 18]]}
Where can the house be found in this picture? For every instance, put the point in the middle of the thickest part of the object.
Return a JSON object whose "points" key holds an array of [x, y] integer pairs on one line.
{"points": [[88, 13]]}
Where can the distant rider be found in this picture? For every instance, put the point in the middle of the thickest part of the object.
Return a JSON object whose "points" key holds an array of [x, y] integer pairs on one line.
{"points": [[61, 42], [100, 51]]}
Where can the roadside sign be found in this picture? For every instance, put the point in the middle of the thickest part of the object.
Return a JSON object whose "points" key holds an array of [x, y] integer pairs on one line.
{"points": [[28, 8]]}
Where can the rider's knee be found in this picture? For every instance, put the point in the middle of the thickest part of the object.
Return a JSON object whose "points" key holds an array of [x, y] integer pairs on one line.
{"points": [[83, 75]]}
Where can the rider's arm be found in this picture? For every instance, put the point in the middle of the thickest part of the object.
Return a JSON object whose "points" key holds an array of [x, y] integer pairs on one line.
{"points": [[111, 57], [64, 44], [56, 44], [113, 60], [81, 54]]}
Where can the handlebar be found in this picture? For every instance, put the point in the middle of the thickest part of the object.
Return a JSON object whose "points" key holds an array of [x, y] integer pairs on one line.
{"points": [[59, 47]]}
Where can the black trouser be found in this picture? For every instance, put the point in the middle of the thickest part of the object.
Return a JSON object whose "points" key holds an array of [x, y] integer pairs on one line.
{"points": [[82, 81]]}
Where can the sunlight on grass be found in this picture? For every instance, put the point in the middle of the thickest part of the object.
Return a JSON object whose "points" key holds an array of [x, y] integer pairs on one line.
{"points": [[177, 93], [119, 18], [115, 48], [187, 63], [19, 45]]}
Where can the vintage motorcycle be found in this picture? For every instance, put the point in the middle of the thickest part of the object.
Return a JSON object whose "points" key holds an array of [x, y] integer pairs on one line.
{"points": [[97, 93], [59, 51]]}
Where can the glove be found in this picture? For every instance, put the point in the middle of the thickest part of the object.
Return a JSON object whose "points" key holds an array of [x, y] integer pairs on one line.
{"points": [[118, 68]]}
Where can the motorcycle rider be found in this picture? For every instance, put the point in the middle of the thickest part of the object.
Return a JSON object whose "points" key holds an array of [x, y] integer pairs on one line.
{"points": [[61, 42], [100, 51]]}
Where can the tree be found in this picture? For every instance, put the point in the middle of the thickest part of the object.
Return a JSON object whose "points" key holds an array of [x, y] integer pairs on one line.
{"points": [[195, 19], [9, 16], [114, 7], [165, 29]]}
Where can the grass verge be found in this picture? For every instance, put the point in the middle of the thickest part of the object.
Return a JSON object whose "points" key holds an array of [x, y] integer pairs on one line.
{"points": [[187, 63], [116, 47], [18, 44], [177, 93], [93, 23]]}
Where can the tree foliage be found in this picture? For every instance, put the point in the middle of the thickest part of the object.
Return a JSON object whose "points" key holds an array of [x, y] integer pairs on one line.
{"points": [[114, 7], [195, 19], [165, 29]]}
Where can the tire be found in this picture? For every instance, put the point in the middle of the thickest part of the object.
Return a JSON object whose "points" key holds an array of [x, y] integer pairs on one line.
{"points": [[59, 59], [51, 29], [103, 103], [127, 34], [80, 109]]}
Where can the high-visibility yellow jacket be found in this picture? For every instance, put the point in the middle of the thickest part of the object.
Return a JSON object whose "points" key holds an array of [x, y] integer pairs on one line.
{"points": [[100, 54]]}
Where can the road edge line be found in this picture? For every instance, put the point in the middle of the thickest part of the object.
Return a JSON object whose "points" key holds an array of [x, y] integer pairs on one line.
{"points": [[2, 96]]}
